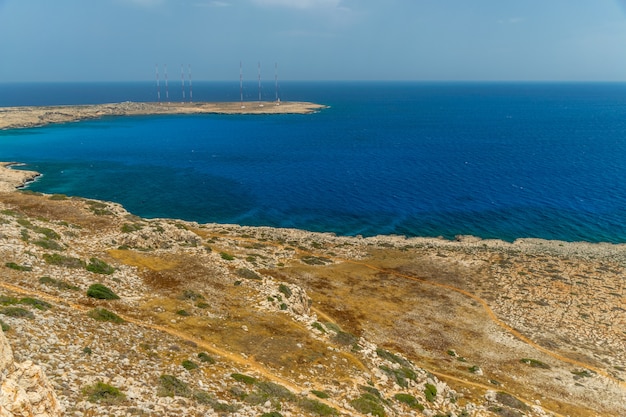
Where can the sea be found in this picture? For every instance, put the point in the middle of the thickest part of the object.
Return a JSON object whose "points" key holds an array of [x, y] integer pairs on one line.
{"points": [[493, 160]]}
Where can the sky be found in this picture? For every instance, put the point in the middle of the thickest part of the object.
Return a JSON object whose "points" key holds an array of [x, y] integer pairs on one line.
{"points": [[422, 40]]}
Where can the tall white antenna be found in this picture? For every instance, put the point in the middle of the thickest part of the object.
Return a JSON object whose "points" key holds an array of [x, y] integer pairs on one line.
{"points": [[158, 84], [167, 92], [260, 104], [241, 84], [182, 79], [190, 85], [276, 81]]}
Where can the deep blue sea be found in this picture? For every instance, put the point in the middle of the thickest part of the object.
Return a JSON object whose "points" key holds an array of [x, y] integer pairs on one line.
{"points": [[495, 160]]}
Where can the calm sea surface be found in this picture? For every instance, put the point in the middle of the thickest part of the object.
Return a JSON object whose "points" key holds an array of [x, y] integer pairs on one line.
{"points": [[435, 159]]}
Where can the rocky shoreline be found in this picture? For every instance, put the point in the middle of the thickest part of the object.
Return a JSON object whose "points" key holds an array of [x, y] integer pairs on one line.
{"points": [[34, 116], [226, 320]]}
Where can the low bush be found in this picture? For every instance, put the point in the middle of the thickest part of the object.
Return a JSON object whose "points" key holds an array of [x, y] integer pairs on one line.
{"points": [[17, 267], [104, 394], [534, 363], [101, 292], [189, 365], [98, 266], [38, 304], [409, 400], [102, 314], [204, 357], [316, 407], [368, 404], [49, 244], [64, 261], [430, 391], [61, 285], [170, 386], [17, 312], [285, 290], [320, 394], [226, 256], [248, 274], [248, 380]]}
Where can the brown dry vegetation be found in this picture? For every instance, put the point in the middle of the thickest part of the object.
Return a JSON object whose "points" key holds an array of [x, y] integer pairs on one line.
{"points": [[466, 313]]}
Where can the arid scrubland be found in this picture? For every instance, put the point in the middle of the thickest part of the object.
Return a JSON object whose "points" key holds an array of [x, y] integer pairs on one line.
{"points": [[130, 316]]}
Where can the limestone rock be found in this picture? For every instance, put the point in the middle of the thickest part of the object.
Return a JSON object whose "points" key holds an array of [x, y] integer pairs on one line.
{"points": [[24, 388]]}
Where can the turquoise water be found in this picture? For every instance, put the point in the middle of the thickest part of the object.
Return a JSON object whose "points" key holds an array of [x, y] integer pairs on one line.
{"points": [[492, 160]]}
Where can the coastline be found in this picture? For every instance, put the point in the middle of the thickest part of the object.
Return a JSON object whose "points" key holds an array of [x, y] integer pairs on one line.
{"points": [[36, 116], [13, 180], [466, 312]]}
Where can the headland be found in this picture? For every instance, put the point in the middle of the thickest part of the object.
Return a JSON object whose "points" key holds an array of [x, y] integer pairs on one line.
{"points": [[212, 319], [33, 116]]}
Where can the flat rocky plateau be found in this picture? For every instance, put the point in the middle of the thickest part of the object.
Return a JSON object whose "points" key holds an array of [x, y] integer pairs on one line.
{"points": [[33, 116], [225, 320]]}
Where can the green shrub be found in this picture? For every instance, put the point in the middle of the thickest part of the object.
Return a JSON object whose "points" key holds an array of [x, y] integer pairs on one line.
{"points": [[400, 375], [129, 228], [285, 290], [62, 285], [170, 386], [409, 400], [272, 414], [248, 380], [393, 358], [58, 197], [316, 407], [183, 313], [317, 325], [102, 314], [17, 267], [38, 304], [98, 266], [204, 357], [345, 338], [368, 404], [189, 365], [430, 391], [101, 292], [65, 261], [104, 394], [247, 274], [5, 327], [49, 244], [7, 301], [320, 394], [227, 256], [533, 363], [17, 312], [205, 398]]}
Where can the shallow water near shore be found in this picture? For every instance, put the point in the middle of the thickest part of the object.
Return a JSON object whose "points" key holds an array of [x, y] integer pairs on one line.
{"points": [[492, 160]]}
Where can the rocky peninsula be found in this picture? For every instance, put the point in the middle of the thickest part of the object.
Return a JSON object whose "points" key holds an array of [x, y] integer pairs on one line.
{"points": [[33, 116], [113, 314]]}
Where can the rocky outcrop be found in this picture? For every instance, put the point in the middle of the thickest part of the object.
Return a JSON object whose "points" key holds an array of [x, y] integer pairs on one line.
{"points": [[24, 389]]}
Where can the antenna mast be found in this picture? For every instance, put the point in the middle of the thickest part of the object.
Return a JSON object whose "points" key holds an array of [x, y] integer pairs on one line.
{"points": [[190, 86], [260, 104], [167, 92], [241, 84], [276, 81], [182, 79], [158, 84]]}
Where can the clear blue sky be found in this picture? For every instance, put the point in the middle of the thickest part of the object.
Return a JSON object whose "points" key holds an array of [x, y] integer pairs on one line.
{"points": [[118, 40]]}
